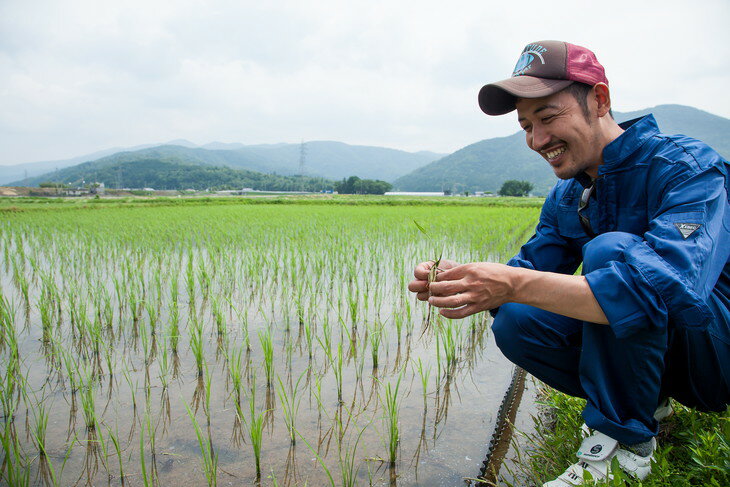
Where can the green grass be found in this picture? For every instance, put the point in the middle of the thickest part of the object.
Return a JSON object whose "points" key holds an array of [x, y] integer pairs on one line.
{"points": [[693, 447]]}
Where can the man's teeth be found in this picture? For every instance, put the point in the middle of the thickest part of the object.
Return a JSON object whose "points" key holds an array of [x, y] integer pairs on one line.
{"points": [[555, 153]]}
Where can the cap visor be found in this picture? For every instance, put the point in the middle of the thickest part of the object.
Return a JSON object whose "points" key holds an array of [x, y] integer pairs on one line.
{"points": [[499, 98]]}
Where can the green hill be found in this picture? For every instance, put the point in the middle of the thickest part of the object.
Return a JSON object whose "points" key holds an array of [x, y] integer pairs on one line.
{"points": [[171, 173], [332, 160], [485, 165]]}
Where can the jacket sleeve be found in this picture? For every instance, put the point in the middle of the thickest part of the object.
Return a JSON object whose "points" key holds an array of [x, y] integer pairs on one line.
{"points": [[547, 250], [667, 276]]}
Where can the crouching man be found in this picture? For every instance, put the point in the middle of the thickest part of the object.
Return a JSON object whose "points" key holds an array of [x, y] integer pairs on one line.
{"points": [[647, 216]]}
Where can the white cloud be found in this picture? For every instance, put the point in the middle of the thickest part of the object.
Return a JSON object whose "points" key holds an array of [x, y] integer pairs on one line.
{"points": [[79, 76]]}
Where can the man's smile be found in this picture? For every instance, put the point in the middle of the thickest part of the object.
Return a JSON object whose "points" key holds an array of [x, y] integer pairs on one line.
{"points": [[553, 154]]}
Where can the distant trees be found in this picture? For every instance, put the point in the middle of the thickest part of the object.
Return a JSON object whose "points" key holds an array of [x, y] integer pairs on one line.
{"points": [[513, 187], [52, 184], [174, 174], [355, 185]]}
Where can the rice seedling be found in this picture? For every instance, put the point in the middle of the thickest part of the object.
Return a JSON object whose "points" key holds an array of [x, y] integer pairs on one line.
{"points": [[290, 400], [196, 343], [375, 335], [17, 466], [40, 412], [255, 428], [209, 457], [88, 399], [424, 372], [308, 335], [7, 318], [391, 408], [267, 347], [146, 481], [114, 437], [220, 319], [431, 274]]}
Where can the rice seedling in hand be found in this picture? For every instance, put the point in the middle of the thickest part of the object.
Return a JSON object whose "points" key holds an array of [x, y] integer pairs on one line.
{"points": [[431, 276]]}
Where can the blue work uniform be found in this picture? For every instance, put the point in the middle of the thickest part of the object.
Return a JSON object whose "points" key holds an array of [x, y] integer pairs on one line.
{"points": [[658, 268]]}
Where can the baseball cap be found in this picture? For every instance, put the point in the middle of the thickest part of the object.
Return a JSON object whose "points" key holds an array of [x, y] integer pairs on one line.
{"points": [[544, 68]]}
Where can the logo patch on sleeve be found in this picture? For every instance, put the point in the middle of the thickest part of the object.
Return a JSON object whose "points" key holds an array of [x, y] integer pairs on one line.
{"points": [[687, 229]]}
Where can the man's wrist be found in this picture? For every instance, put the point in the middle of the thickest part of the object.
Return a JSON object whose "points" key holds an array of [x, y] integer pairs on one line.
{"points": [[519, 281]]}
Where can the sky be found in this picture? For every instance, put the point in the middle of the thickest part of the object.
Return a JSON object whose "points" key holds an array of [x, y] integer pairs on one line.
{"points": [[81, 76]]}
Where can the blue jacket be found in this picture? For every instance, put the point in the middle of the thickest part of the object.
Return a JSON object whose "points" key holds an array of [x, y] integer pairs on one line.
{"points": [[649, 184]]}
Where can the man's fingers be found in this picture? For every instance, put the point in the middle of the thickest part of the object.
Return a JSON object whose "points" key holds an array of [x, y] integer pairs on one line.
{"points": [[423, 296], [455, 314], [452, 274], [418, 286], [453, 301], [447, 288], [421, 271]]}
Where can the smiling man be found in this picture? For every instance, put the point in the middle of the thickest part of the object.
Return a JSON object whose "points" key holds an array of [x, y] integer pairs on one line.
{"points": [[647, 216]]}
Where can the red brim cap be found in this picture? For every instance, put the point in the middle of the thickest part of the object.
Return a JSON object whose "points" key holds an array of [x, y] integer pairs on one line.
{"points": [[499, 98]]}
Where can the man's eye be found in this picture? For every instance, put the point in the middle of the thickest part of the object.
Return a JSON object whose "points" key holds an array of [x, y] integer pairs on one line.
{"points": [[527, 128], [547, 119]]}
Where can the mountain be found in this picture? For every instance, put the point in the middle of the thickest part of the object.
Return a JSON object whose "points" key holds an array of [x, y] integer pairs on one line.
{"points": [[18, 172], [169, 173], [485, 165], [331, 160]]}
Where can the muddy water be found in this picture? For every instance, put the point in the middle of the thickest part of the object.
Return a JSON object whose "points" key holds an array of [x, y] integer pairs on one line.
{"points": [[441, 442]]}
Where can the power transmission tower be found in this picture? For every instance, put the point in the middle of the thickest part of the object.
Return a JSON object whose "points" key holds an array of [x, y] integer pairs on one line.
{"points": [[302, 162], [302, 158]]}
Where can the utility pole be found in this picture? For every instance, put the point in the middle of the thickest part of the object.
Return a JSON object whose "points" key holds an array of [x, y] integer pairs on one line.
{"points": [[302, 162]]}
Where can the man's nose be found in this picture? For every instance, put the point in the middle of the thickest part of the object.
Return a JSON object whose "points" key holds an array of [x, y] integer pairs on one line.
{"points": [[540, 138]]}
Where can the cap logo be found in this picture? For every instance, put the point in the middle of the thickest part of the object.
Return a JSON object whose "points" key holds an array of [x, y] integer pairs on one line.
{"points": [[529, 54]]}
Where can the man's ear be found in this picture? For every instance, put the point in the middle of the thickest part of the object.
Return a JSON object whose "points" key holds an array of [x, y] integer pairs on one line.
{"points": [[602, 98]]}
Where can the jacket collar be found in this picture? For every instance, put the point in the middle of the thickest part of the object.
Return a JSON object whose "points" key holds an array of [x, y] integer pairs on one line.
{"points": [[619, 151]]}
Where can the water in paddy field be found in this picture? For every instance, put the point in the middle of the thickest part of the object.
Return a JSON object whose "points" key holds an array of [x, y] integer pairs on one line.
{"points": [[163, 339]]}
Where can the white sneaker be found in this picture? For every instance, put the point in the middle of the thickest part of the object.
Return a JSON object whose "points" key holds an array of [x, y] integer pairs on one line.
{"points": [[596, 453]]}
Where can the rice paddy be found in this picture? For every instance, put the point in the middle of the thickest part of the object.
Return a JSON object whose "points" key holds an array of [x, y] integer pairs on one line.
{"points": [[269, 344]]}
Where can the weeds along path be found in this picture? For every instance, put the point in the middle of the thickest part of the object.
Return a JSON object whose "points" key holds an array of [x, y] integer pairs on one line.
{"points": [[155, 344]]}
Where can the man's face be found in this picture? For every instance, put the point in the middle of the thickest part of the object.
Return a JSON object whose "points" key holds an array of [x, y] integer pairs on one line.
{"points": [[556, 128]]}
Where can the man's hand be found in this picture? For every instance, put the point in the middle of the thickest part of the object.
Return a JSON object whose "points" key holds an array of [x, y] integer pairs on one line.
{"points": [[470, 288], [420, 284], [463, 290]]}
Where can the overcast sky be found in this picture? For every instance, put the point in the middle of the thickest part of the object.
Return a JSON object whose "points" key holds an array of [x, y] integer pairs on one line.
{"points": [[80, 76]]}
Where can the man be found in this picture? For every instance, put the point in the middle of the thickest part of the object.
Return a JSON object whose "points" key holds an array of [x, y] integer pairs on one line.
{"points": [[647, 215]]}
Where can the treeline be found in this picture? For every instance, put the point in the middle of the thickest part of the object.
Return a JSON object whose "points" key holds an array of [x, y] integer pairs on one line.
{"points": [[355, 185], [171, 175]]}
